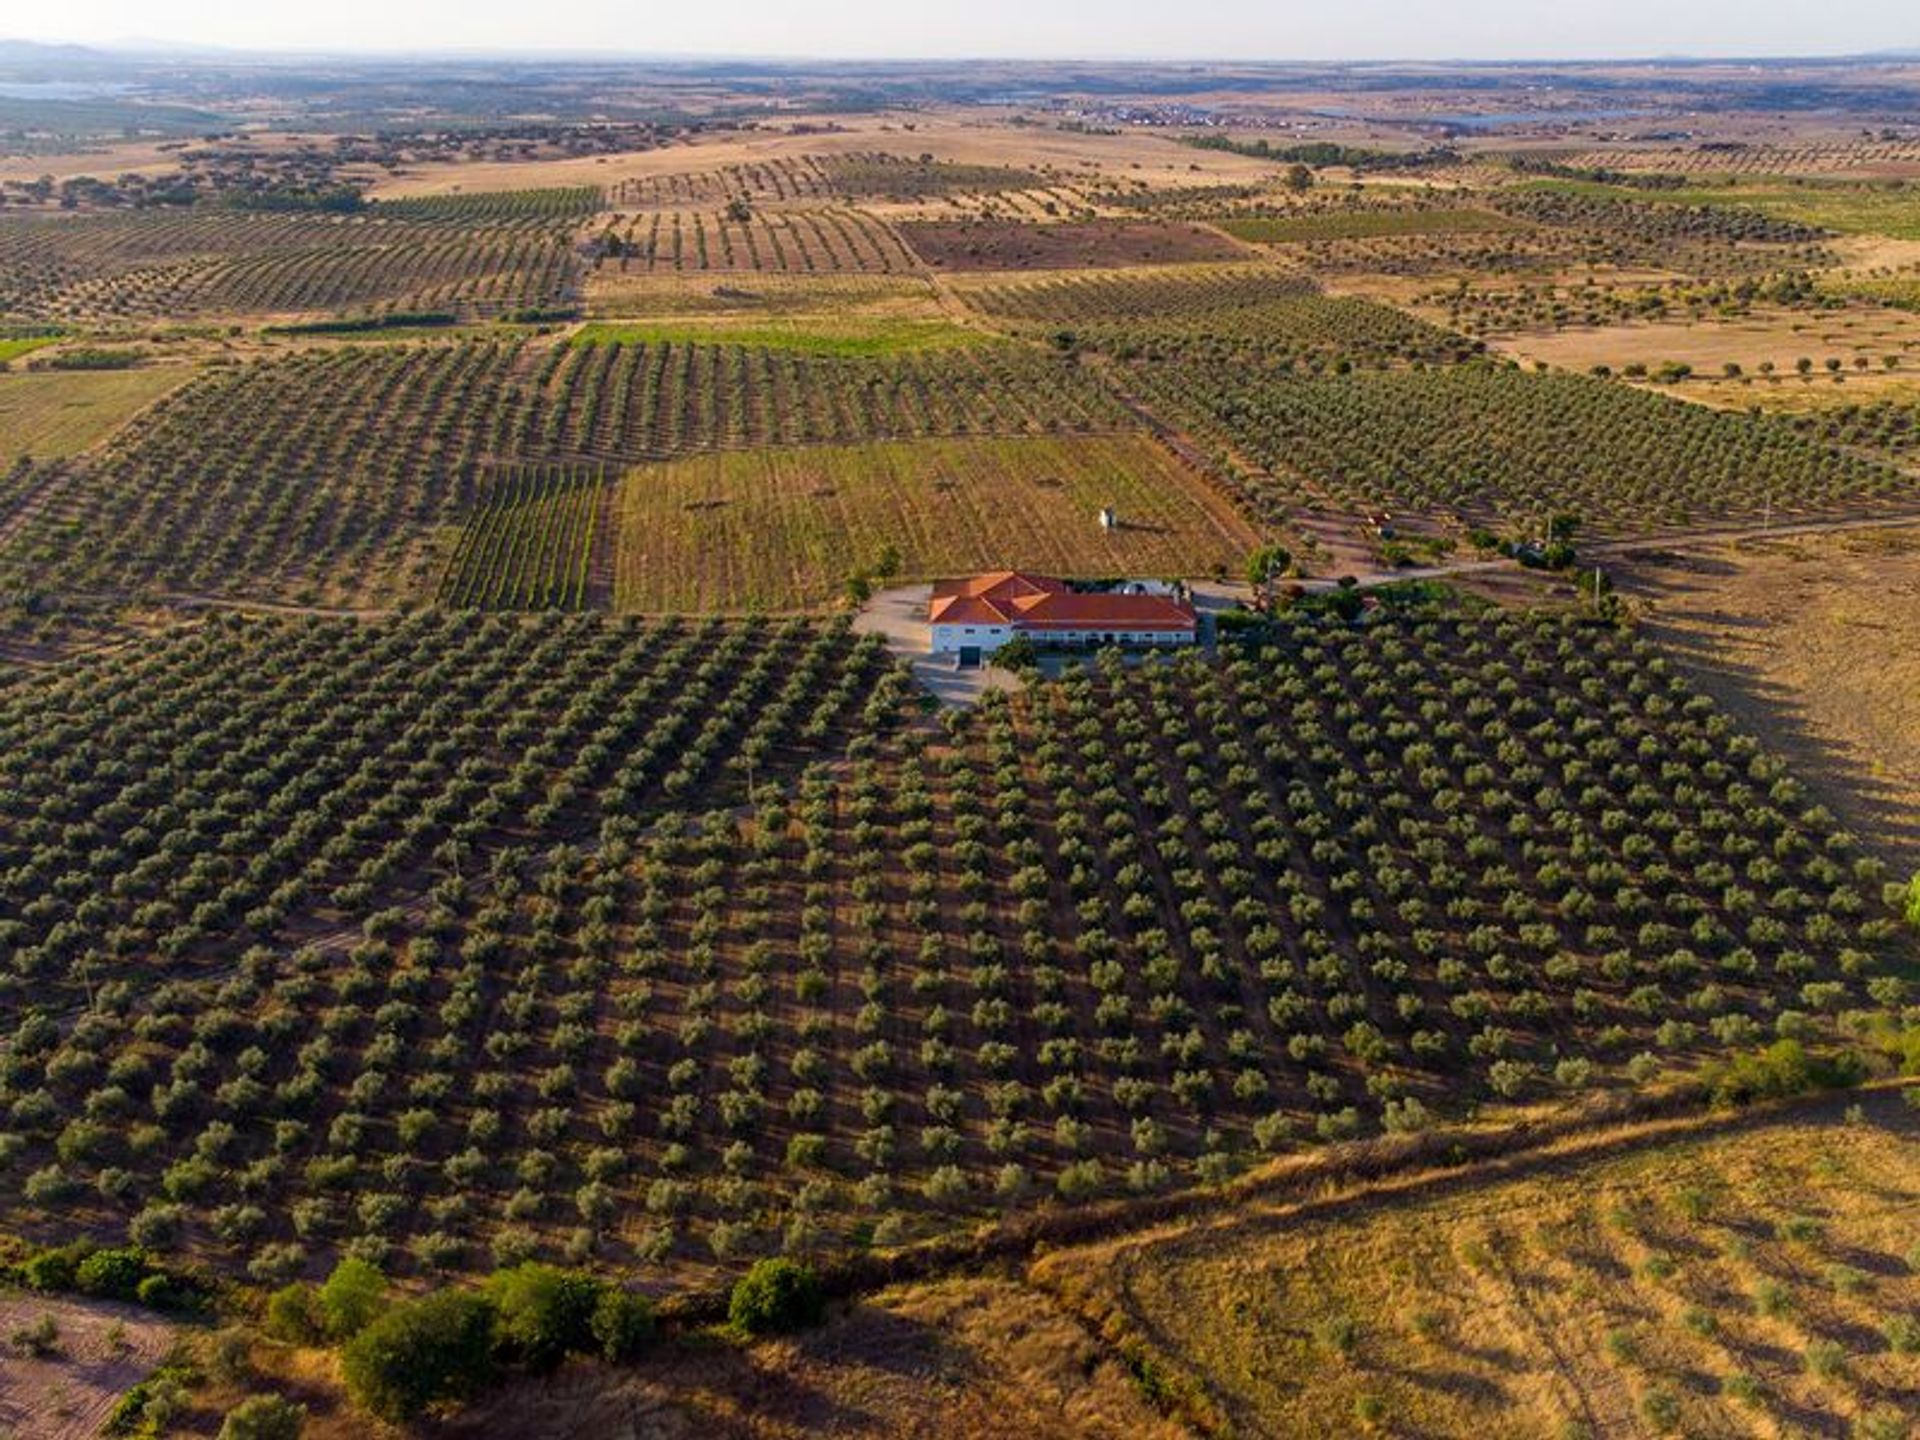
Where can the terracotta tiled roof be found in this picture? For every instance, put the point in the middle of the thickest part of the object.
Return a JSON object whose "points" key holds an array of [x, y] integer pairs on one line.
{"points": [[1068, 611], [1034, 602], [965, 610], [999, 585]]}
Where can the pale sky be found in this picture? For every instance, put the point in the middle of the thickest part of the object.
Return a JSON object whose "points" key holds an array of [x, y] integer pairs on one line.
{"points": [[1090, 29]]}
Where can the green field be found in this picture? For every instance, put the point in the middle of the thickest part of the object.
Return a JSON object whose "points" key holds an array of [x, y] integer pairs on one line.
{"points": [[1854, 209], [776, 530], [853, 338], [13, 347], [58, 413]]}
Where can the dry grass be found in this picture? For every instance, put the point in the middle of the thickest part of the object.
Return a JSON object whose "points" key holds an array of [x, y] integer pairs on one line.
{"points": [[53, 413], [1767, 335], [1797, 395], [775, 530], [1589, 1298], [1814, 643], [975, 1358], [958, 136], [753, 297]]}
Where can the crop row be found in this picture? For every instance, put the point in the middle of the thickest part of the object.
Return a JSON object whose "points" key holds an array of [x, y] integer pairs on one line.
{"points": [[779, 240], [529, 543], [1735, 158], [1485, 441], [1238, 308], [485, 271], [298, 472], [139, 265], [634, 402], [782, 178], [495, 207], [1889, 425], [242, 781], [1136, 928], [1758, 1280], [1361, 222], [334, 474]]}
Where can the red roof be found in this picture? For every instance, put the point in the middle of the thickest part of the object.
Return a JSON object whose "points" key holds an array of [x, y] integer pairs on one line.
{"points": [[966, 610], [1000, 585], [1105, 612], [1033, 602]]}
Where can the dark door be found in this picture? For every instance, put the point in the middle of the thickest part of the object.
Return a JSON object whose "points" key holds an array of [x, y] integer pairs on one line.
{"points": [[969, 657]]}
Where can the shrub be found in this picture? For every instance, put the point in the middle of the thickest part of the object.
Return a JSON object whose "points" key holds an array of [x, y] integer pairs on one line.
{"points": [[421, 1353], [1661, 1409], [111, 1274], [1783, 1068], [622, 1322], [776, 1297], [351, 1298], [40, 1339], [293, 1314], [53, 1270], [542, 1312], [264, 1417]]}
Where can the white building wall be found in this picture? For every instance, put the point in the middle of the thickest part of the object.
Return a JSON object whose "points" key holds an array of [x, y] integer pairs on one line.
{"points": [[949, 638]]}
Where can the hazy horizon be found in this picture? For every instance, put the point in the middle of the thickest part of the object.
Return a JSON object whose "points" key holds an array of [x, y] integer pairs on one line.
{"points": [[1361, 31]]}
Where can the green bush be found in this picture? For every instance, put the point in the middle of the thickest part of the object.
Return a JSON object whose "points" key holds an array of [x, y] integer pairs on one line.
{"points": [[264, 1417], [542, 1312], [112, 1274], [1783, 1068], [293, 1314], [421, 1353], [622, 1323], [52, 1271], [352, 1297], [775, 1297]]}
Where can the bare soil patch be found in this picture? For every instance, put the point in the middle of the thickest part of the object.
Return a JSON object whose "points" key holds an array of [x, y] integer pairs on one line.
{"points": [[97, 1352]]}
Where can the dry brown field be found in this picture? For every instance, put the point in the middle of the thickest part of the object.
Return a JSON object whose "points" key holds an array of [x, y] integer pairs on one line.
{"points": [[1767, 335], [1750, 1280], [980, 1358], [777, 530], [1158, 159], [1813, 642], [52, 413]]}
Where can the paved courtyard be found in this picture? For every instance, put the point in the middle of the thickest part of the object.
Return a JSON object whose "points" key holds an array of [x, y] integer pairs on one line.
{"points": [[899, 616]]}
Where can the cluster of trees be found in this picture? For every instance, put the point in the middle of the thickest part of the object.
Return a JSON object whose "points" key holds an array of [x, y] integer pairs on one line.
{"points": [[155, 835], [1493, 440], [638, 401], [1137, 926], [830, 240], [1239, 312], [1655, 220], [293, 251], [401, 1356]]}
